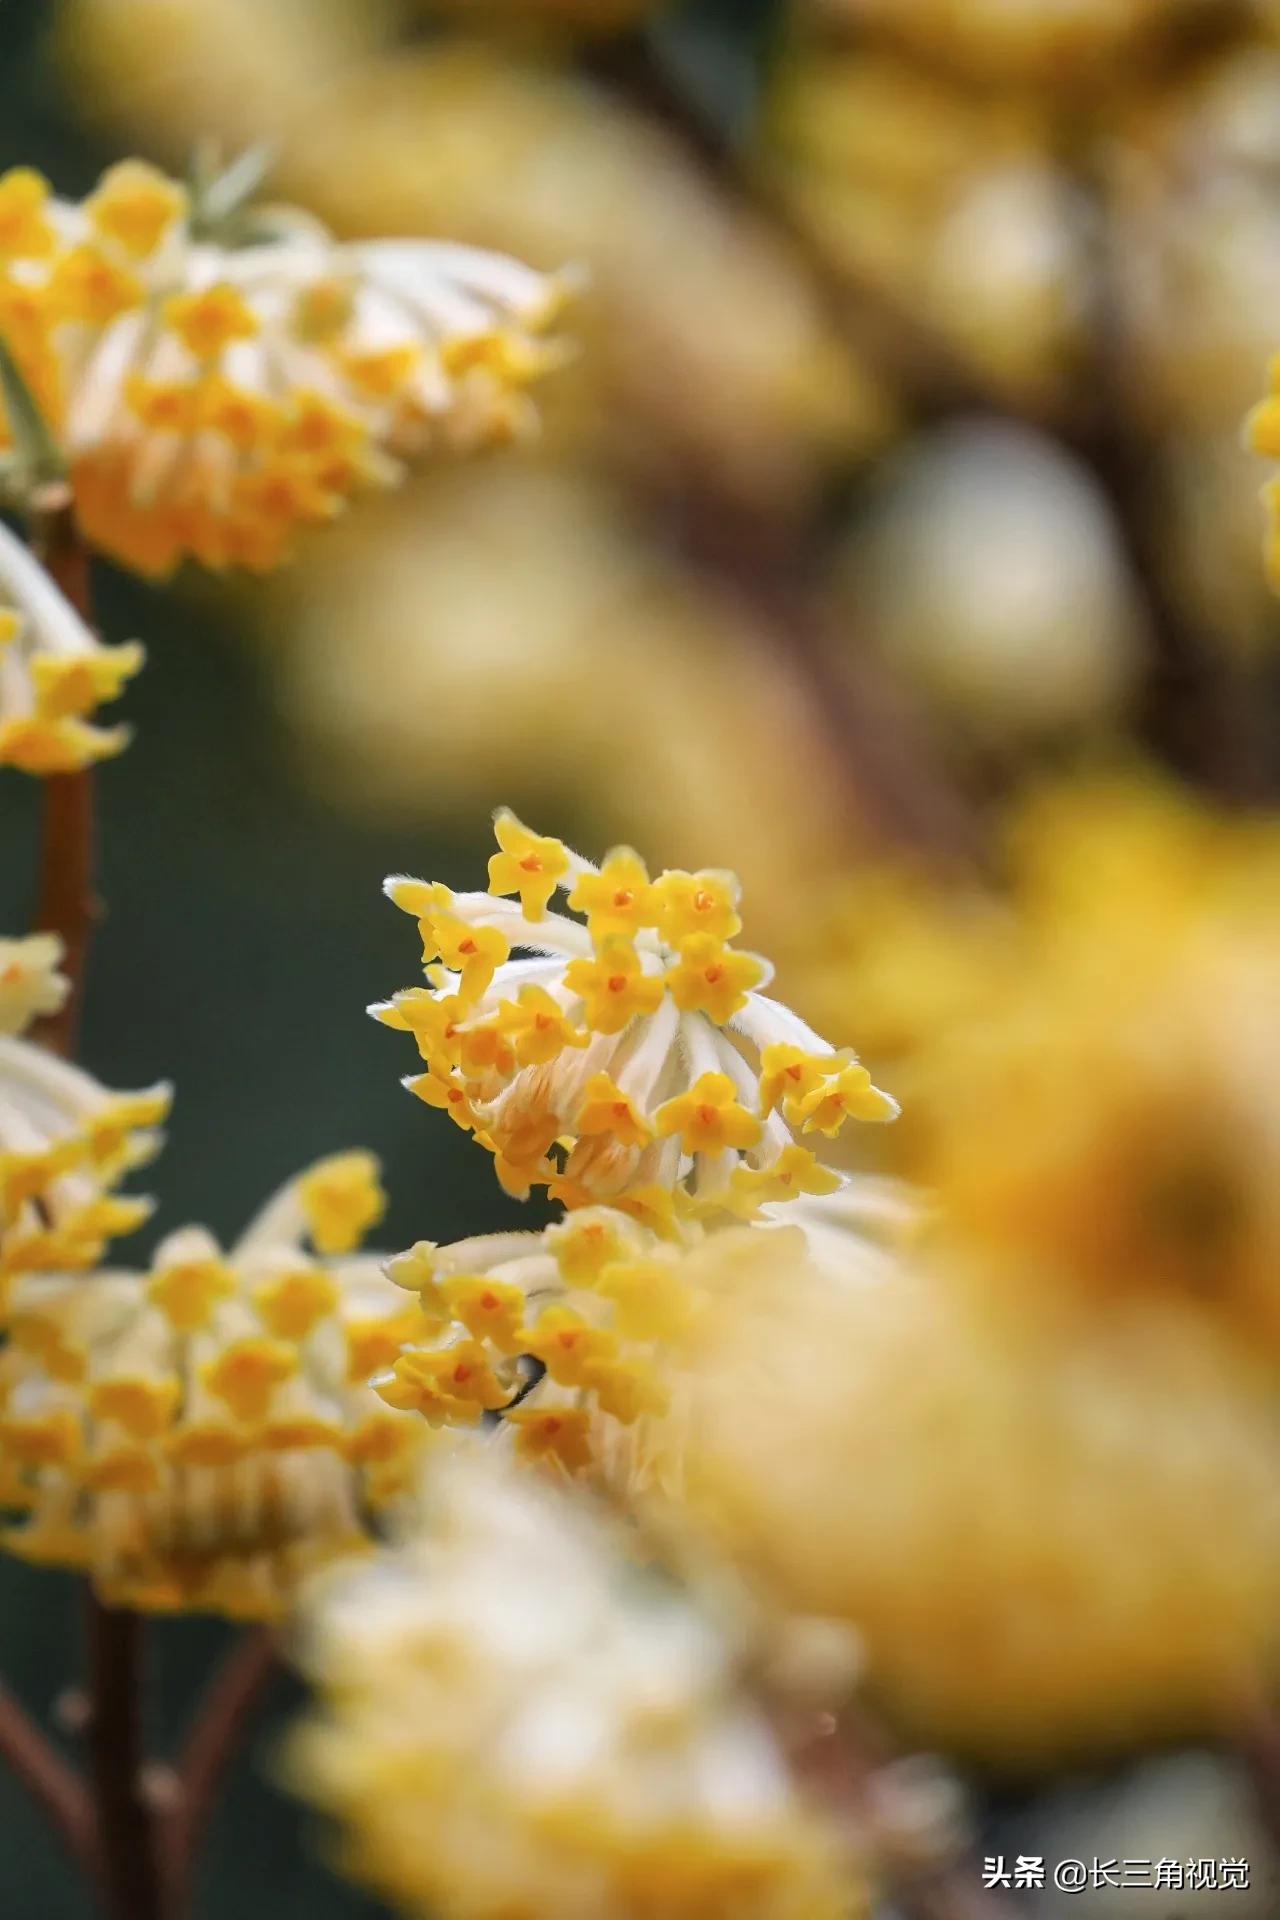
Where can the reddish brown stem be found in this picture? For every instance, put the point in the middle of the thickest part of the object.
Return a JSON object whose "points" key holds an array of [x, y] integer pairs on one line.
{"points": [[130, 1861], [65, 900], [52, 1783], [221, 1720]]}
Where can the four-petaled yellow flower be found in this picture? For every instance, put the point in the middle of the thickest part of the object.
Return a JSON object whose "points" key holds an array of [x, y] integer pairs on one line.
{"points": [[619, 898], [711, 978], [709, 1117], [529, 864], [607, 1109], [614, 985]]}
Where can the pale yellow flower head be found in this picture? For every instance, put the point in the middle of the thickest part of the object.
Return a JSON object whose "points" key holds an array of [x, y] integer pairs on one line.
{"points": [[54, 673], [1055, 1529], [518, 1716], [630, 1057], [65, 1141], [200, 1435], [211, 399]]}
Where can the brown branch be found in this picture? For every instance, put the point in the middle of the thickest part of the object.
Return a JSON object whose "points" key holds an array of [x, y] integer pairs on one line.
{"points": [[52, 1783], [65, 899], [130, 1862], [221, 1719]]}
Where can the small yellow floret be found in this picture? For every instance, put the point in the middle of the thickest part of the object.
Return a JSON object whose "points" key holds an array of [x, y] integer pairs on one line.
{"points": [[606, 1109], [188, 1292], [135, 205], [208, 322], [709, 1118], [539, 1028], [25, 230], [849, 1092], [247, 1373], [689, 903], [618, 899], [559, 1436], [711, 978], [342, 1197], [614, 986], [87, 287], [290, 1304], [528, 864], [795, 1170]]}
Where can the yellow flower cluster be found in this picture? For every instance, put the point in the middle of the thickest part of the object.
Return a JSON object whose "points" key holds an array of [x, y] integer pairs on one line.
{"points": [[1125, 1074], [65, 1141], [576, 1338], [1055, 1531], [631, 1056], [519, 1719], [212, 400], [201, 1435], [53, 673]]}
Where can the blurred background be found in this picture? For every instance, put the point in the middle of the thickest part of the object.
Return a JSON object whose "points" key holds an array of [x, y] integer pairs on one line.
{"points": [[900, 467]]}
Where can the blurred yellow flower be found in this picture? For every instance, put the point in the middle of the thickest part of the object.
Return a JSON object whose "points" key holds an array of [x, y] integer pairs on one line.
{"points": [[201, 1435], [211, 399], [575, 1739], [53, 672], [1039, 40], [642, 1019], [1055, 1528]]}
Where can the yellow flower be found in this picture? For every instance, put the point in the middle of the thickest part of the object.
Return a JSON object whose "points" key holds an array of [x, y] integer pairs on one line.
{"points": [[697, 903], [1005, 1492], [709, 1118], [53, 673], [579, 1736], [529, 864], [209, 321], [136, 206], [341, 1199], [538, 1026], [607, 1109], [573, 1051], [553, 1434], [202, 1435], [613, 985], [620, 898], [65, 1142], [204, 407], [476, 952], [709, 978], [26, 232], [850, 1092], [794, 1171]]}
